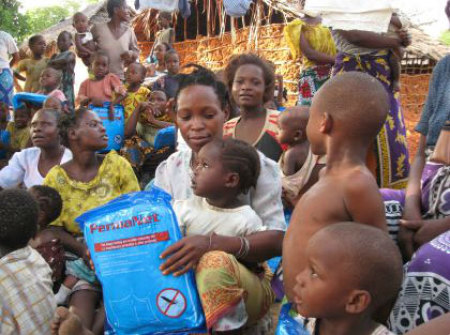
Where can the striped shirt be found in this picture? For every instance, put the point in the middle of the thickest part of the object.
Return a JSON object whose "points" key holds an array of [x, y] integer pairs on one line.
{"points": [[27, 302]]}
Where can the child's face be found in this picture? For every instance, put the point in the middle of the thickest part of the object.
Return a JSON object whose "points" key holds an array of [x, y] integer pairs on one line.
{"points": [[49, 79], [208, 180], [248, 86], [21, 118], [92, 134], [38, 47], [160, 51], [134, 75], [288, 134], [64, 42], [159, 99], [44, 129], [173, 64], [81, 23], [323, 288], [100, 67]]}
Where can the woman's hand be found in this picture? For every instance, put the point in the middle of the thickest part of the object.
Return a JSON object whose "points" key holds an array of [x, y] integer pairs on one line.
{"points": [[406, 240], [184, 255], [405, 37]]}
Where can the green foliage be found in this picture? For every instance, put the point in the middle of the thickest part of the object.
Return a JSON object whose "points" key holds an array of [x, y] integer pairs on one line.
{"points": [[12, 21], [44, 17]]}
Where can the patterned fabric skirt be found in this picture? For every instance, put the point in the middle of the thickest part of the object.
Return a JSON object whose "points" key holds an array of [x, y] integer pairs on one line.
{"points": [[310, 81], [6, 86], [390, 149], [223, 282], [425, 293]]}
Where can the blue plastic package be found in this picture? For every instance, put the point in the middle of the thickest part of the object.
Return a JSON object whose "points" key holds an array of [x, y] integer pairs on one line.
{"points": [[114, 129], [125, 238], [165, 137], [31, 98], [287, 325]]}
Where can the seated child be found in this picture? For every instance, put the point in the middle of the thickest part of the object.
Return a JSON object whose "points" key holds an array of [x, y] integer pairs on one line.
{"points": [[352, 271], [65, 61], [142, 126], [84, 41], [226, 169], [34, 66], [136, 93], [102, 87], [292, 123], [19, 129], [50, 84], [346, 115], [169, 82], [45, 242], [26, 283]]}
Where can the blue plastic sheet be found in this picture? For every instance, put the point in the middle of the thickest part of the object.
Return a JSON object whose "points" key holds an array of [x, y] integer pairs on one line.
{"points": [[114, 129], [125, 238]]}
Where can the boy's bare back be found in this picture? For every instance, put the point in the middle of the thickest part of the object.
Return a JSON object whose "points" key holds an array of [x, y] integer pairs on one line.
{"points": [[346, 190]]}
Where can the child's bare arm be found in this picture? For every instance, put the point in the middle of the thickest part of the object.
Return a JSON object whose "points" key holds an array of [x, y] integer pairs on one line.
{"points": [[363, 201]]}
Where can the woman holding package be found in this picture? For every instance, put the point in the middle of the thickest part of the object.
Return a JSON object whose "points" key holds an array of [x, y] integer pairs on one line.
{"points": [[224, 283], [369, 52], [309, 39]]}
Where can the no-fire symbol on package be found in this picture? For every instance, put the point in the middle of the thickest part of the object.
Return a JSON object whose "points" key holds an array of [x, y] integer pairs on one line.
{"points": [[171, 302]]}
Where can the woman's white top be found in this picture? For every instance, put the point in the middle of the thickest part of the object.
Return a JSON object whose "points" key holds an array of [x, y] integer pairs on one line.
{"points": [[23, 168]]}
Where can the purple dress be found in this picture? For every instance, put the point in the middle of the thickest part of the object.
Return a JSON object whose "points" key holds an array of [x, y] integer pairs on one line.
{"points": [[425, 292]]}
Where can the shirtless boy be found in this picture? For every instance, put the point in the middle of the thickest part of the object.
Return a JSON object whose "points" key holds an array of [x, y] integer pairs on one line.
{"points": [[346, 115]]}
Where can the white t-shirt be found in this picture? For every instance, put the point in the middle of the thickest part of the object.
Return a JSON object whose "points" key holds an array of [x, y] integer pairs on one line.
{"points": [[23, 168], [197, 217], [7, 48], [174, 176]]}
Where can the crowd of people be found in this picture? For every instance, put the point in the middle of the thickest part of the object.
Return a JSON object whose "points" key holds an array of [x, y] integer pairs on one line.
{"points": [[364, 237]]}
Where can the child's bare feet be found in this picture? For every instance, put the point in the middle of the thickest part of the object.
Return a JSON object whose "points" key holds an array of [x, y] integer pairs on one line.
{"points": [[66, 322]]}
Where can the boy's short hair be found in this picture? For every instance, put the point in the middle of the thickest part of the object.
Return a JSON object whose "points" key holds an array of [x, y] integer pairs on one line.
{"points": [[295, 116], [100, 53], [169, 53], [65, 32], [22, 107], [240, 157], [53, 206], [251, 59], [33, 39], [18, 218], [358, 100], [374, 259], [78, 14]]}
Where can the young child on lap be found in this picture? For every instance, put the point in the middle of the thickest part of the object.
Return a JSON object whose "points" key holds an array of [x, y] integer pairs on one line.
{"points": [[346, 115], [84, 41], [351, 271], [226, 169]]}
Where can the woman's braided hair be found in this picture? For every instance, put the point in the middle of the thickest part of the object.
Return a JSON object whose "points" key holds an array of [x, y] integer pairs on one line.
{"points": [[204, 77], [69, 121]]}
